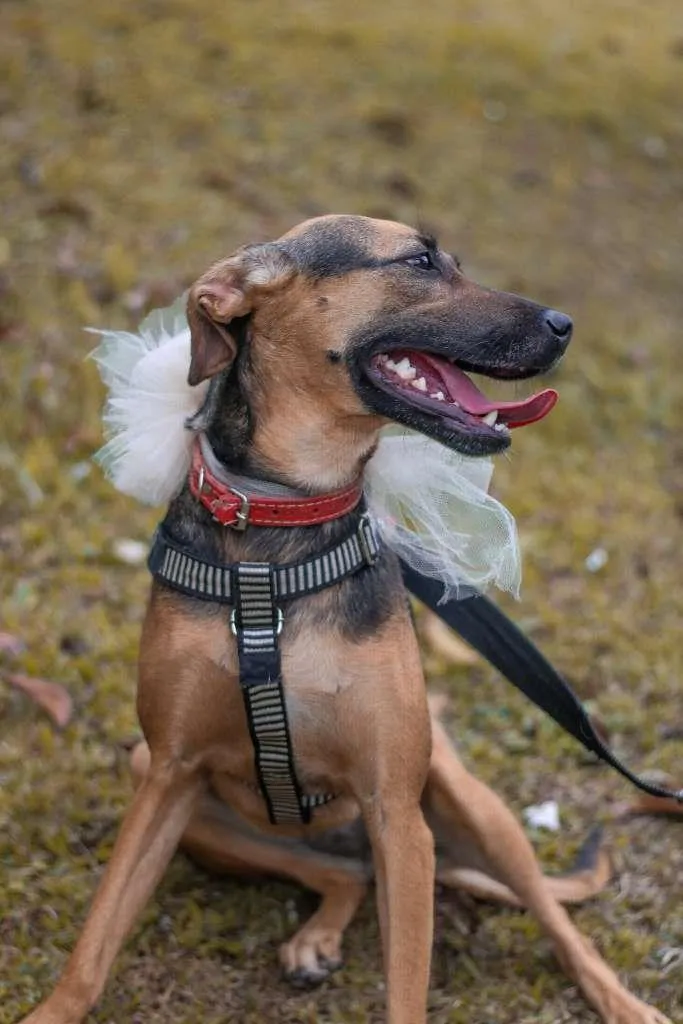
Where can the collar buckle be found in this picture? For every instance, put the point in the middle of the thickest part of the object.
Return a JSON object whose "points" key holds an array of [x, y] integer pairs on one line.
{"points": [[242, 513]]}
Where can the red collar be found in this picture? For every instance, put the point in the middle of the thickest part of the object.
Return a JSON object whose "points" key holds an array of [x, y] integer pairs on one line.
{"points": [[231, 507]]}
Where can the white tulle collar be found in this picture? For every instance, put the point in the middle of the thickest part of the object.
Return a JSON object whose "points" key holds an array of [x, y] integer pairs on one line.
{"points": [[430, 504]]}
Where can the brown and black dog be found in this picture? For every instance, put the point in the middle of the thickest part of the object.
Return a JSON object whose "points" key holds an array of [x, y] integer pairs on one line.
{"points": [[294, 337]]}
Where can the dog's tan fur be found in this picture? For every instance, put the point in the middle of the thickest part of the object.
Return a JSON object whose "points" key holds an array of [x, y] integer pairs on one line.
{"points": [[359, 716]]}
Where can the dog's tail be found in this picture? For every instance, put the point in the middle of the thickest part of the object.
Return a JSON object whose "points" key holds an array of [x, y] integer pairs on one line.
{"points": [[591, 872]]}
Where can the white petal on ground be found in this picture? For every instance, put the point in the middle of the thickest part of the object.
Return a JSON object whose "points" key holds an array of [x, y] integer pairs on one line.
{"points": [[545, 815]]}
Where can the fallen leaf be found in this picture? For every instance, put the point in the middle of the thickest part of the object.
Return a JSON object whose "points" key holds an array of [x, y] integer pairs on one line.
{"points": [[10, 644], [673, 731], [51, 697]]}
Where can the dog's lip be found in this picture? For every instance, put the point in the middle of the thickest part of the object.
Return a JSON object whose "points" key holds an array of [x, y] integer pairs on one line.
{"points": [[460, 398]]}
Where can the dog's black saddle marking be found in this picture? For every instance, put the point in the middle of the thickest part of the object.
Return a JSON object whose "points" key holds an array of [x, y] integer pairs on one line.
{"points": [[255, 591]]}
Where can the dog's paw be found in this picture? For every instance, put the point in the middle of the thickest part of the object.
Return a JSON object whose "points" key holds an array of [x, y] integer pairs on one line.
{"points": [[630, 1010], [53, 1011], [311, 956]]}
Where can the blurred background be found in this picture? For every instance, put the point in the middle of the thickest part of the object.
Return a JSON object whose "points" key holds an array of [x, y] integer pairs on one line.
{"points": [[543, 141]]}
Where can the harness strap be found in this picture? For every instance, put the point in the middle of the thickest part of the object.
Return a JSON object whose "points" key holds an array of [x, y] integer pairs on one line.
{"points": [[483, 625], [256, 623], [214, 581], [255, 592]]}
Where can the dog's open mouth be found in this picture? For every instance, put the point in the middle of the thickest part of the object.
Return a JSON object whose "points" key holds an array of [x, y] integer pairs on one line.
{"points": [[437, 386]]}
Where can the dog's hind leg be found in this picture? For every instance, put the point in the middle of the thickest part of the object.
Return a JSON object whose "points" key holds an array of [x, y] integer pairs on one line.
{"points": [[220, 842], [148, 838], [315, 951], [454, 796], [215, 841], [589, 876]]}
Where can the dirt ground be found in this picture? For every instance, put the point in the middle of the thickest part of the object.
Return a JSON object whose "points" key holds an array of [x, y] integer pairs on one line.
{"points": [[544, 142]]}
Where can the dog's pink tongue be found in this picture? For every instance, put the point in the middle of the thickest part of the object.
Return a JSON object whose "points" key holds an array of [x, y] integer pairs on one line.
{"points": [[468, 396]]}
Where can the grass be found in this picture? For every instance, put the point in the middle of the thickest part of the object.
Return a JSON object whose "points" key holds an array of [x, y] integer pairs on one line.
{"points": [[544, 141]]}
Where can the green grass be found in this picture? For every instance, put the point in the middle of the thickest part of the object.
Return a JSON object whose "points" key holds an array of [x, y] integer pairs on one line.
{"points": [[544, 142]]}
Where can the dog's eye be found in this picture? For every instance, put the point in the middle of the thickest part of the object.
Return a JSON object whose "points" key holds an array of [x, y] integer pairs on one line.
{"points": [[424, 261]]}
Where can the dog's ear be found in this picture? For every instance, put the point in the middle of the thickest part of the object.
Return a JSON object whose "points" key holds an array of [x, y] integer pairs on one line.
{"points": [[224, 292], [216, 299]]}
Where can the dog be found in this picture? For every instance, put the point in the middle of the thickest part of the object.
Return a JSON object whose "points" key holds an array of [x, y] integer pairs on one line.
{"points": [[300, 340]]}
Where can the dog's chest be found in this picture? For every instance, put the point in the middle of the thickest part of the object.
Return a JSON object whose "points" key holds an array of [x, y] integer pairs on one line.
{"points": [[317, 681], [341, 695]]}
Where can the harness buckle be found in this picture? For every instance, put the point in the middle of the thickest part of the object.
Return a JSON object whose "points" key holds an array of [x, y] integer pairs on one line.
{"points": [[367, 539], [279, 621]]}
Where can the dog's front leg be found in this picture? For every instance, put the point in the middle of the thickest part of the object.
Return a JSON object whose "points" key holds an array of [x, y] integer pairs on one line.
{"points": [[149, 836], [403, 855], [393, 737]]}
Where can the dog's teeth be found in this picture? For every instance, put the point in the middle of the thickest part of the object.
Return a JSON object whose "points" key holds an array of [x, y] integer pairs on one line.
{"points": [[405, 370], [391, 365], [439, 395], [420, 384], [501, 428], [491, 417]]}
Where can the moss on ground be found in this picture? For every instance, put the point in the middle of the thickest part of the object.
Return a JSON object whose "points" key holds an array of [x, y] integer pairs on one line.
{"points": [[544, 141]]}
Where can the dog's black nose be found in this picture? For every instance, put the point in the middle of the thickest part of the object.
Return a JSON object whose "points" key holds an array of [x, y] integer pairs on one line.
{"points": [[559, 323]]}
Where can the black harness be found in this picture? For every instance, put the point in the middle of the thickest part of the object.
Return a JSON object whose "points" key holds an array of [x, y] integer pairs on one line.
{"points": [[256, 593]]}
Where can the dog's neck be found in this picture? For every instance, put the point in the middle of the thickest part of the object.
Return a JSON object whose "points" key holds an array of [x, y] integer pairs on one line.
{"points": [[307, 450], [311, 456], [295, 462], [249, 485]]}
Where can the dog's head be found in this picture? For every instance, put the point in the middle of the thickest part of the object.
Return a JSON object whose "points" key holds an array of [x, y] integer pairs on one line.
{"points": [[357, 320]]}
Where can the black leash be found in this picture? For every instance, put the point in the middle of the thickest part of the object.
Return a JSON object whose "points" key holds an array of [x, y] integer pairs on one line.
{"points": [[486, 628]]}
